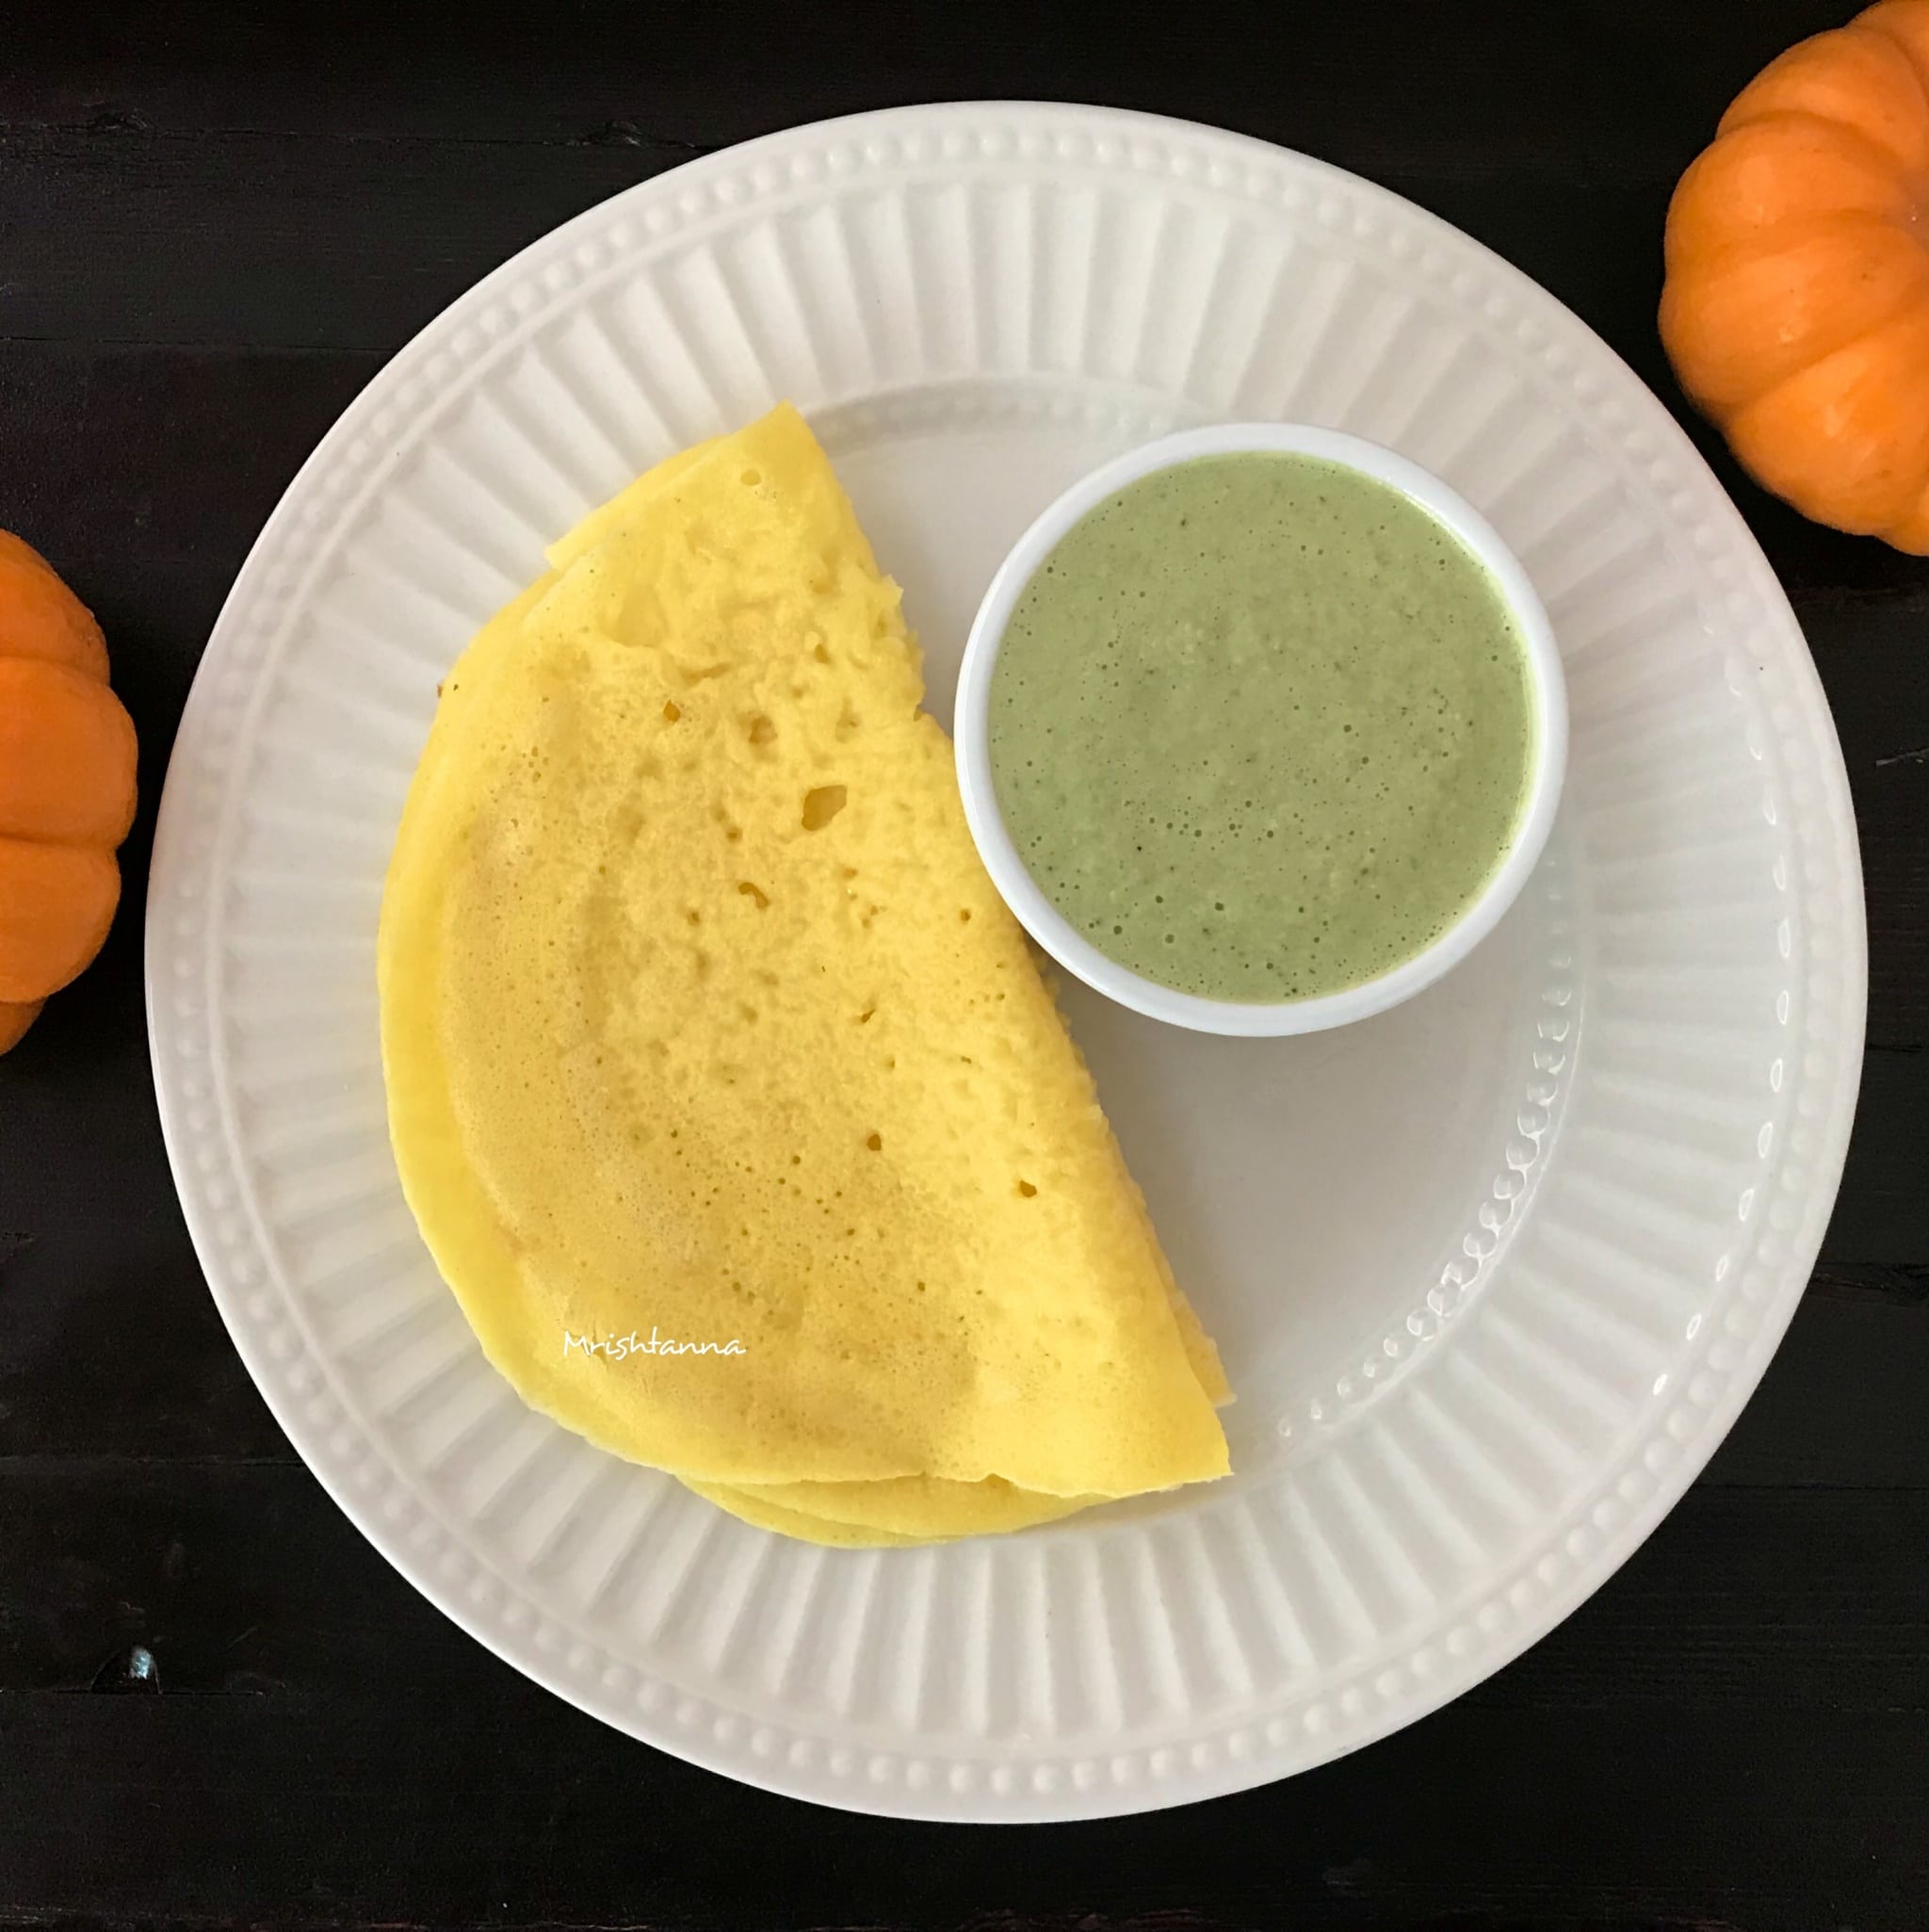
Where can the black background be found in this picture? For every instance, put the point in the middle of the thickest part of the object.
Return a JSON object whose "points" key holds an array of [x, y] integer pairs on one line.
{"points": [[214, 226]]}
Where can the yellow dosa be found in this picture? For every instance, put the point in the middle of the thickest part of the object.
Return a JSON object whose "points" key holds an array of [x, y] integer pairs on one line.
{"points": [[700, 1017]]}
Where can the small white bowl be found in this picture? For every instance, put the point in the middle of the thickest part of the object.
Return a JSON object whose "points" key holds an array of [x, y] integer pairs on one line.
{"points": [[1056, 933]]}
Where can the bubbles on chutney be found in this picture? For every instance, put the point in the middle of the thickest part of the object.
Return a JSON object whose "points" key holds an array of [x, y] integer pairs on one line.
{"points": [[1241, 763]]}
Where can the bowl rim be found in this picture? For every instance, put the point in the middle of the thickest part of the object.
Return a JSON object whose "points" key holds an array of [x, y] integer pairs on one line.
{"points": [[1042, 920]]}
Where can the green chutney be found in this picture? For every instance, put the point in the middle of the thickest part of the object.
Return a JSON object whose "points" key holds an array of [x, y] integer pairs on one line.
{"points": [[1260, 727]]}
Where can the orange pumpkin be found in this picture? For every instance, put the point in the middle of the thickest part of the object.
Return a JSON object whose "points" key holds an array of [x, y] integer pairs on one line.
{"points": [[66, 756], [1796, 306]]}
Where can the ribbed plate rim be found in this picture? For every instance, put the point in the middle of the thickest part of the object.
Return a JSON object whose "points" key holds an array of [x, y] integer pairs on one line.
{"points": [[171, 1050]]}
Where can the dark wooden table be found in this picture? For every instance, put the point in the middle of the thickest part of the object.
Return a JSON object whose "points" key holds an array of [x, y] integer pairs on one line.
{"points": [[217, 1703]]}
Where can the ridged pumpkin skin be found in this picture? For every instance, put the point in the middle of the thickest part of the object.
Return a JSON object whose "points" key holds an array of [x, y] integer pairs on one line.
{"points": [[1796, 304], [67, 770]]}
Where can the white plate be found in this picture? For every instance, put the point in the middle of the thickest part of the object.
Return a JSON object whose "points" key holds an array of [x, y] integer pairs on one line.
{"points": [[1493, 1272]]}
